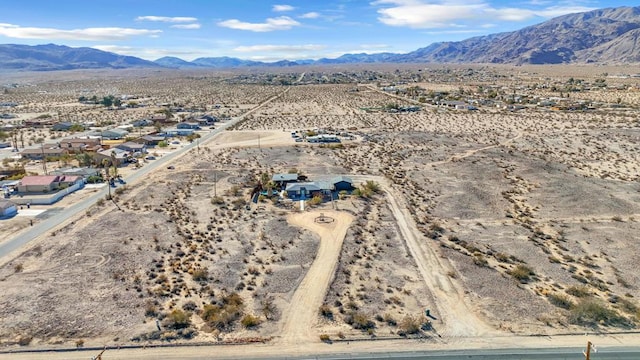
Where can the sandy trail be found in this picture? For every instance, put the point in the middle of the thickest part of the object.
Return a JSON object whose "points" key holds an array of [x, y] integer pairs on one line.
{"points": [[299, 319], [466, 154], [456, 319]]}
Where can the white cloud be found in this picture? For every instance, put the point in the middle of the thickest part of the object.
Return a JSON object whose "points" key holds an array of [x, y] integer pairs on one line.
{"points": [[186, 26], [87, 34], [271, 24], [416, 14], [177, 19], [554, 11], [310, 15], [422, 14], [374, 46], [282, 8], [279, 48]]}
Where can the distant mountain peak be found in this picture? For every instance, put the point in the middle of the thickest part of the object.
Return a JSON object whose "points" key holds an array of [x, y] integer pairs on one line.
{"points": [[602, 36], [60, 57]]}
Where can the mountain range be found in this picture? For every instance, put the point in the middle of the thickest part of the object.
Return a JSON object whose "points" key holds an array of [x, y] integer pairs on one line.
{"points": [[600, 36]]}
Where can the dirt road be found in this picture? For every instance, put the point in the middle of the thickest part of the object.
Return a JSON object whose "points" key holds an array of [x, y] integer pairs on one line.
{"points": [[456, 319], [300, 318]]}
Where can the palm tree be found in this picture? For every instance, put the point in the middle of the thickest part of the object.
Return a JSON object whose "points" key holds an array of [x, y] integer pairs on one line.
{"points": [[105, 164], [114, 163]]}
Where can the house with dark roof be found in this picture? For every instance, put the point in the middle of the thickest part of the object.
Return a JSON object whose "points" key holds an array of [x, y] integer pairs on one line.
{"points": [[142, 123], [150, 140], [178, 132], [114, 134], [206, 120], [133, 147], [341, 183], [308, 190], [188, 125], [66, 126]]}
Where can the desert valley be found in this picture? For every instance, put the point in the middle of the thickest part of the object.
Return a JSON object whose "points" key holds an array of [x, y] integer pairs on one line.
{"points": [[442, 204]]}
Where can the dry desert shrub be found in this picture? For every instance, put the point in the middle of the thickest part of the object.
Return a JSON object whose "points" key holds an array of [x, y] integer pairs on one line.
{"points": [[593, 313], [250, 321], [560, 300], [178, 319], [579, 291], [223, 316], [325, 311], [411, 324], [360, 321], [522, 273]]}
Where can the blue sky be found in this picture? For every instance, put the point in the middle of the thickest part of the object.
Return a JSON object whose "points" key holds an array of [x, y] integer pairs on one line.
{"points": [[270, 31]]}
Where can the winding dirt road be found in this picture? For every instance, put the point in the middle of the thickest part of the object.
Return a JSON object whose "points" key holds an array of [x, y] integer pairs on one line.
{"points": [[300, 318]]}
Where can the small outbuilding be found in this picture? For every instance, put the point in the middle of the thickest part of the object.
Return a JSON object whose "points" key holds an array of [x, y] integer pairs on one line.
{"points": [[7, 208], [114, 134], [281, 180], [341, 183]]}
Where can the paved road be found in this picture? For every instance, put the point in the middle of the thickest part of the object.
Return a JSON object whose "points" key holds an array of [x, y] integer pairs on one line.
{"points": [[42, 227], [214, 352]]}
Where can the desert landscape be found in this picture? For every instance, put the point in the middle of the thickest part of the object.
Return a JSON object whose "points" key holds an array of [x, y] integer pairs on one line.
{"points": [[487, 201]]}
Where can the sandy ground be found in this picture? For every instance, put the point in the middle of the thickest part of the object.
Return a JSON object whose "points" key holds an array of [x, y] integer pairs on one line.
{"points": [[467, 198], [300, 320]]}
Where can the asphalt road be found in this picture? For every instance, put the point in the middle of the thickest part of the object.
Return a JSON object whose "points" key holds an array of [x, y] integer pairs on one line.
{"points": [[214, 352]]}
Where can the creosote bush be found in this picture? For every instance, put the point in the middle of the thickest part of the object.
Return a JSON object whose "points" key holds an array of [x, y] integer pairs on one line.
{"points": [[200, 274], [249, 321], [578, 291], [522, 273], [325, 310], [592, 312], [560, 300], [411, 325], [178, 319], [360, 321], [223, 316]]}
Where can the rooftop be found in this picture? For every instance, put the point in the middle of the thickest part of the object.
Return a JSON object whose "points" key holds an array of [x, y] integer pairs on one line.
{"points": [[39, 180], [284, 177]]}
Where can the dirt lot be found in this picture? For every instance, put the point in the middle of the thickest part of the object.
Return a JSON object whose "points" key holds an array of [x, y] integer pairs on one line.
{"points": [[498, 222]]}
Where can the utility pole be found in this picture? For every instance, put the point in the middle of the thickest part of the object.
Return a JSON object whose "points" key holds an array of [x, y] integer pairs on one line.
{"points": [[44, 160], [215, 184], [587, 353]]}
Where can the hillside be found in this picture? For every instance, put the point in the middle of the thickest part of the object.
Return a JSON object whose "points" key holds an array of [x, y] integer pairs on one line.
{"points": [[599, 36], [60, 57]]}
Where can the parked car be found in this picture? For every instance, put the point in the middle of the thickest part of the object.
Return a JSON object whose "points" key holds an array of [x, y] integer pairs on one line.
{"points": [[150, 158], [171, 167]]}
